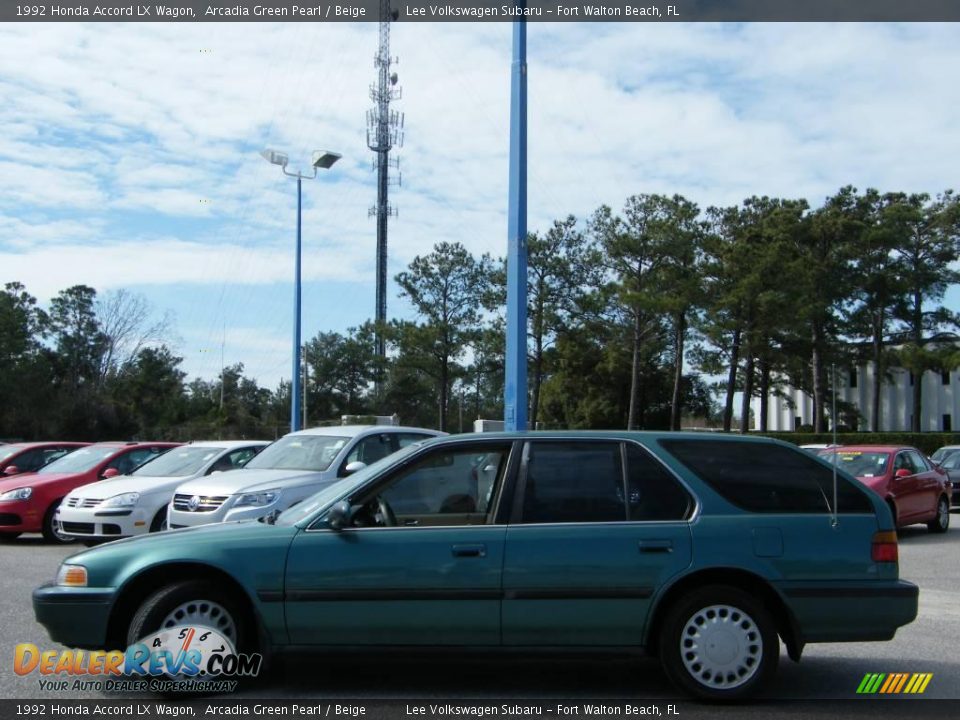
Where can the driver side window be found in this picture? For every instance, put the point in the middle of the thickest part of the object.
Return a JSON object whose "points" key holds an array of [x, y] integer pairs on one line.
{"points": [[451, 486]]}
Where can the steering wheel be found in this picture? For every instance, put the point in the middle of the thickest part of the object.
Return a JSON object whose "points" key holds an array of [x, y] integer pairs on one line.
{"points": [[385, 514]]}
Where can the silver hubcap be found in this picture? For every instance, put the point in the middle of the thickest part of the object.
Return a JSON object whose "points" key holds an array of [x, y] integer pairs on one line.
{"points": [[943, 512], [721, 647], [202, 612]]}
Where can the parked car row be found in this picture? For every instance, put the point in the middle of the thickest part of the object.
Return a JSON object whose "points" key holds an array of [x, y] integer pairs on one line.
{"points": [[29, 501], [106, 491]]}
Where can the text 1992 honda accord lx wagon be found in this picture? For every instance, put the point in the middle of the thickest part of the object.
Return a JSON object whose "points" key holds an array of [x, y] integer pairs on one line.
{"points": [[706, 551]]}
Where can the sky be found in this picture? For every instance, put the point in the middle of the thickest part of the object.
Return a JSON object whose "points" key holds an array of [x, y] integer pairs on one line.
{"points": [[129, 155]]}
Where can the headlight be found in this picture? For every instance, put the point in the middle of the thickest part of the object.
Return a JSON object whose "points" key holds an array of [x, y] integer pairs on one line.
{"points": [[18, 494], [266, 497], [72, 575], [125, 500]]}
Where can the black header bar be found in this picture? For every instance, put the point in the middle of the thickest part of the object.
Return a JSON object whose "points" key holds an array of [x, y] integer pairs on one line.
{"points": [[486, 11]]}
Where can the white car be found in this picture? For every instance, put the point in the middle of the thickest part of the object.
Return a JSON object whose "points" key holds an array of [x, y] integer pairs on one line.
{"points": [[136, 504], [295, 467]]}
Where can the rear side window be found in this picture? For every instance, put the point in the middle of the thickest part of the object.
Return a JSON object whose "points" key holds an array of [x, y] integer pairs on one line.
{"points": [[767, 478], [573, 482], [652, 492]]}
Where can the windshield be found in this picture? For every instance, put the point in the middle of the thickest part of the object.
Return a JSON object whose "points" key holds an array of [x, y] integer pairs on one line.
{"points": [[80, 460], [859, 463], [179, 462], [938, 457], [9, 450], [299, 452], [337, 490]]}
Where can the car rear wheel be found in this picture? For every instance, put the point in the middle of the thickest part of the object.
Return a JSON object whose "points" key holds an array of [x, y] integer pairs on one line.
{"points": [[51, 528], [719, 643], [192, 602], [941, 523]]}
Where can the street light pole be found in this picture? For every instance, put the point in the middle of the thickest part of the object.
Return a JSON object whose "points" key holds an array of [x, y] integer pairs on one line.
{"points": [[295, 375], [321, 160]]}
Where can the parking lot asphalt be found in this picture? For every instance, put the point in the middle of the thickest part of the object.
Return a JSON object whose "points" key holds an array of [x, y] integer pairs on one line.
{"points": [[929, 644]]}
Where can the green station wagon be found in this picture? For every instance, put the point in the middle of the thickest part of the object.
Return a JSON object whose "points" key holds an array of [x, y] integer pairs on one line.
{"points": [[705, 550]]}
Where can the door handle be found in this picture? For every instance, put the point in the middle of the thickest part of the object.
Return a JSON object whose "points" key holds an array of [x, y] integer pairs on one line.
{"points": [[656, 546], [469, 551]]}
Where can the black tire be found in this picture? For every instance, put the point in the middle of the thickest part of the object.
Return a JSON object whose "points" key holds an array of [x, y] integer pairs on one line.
{"points": [[158, 607], [893, 511], [51, 532], [159, 522], [8, 536], [941, 523], [740, 641]]}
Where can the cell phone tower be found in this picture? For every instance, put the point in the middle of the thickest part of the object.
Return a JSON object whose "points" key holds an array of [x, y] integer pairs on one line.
{"points": [[384, 132]]}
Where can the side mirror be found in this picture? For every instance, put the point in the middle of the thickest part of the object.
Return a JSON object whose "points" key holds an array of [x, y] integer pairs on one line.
{"points": [[902, 473], [11, 470], [353, 467], [110, 473], [339, 515]]}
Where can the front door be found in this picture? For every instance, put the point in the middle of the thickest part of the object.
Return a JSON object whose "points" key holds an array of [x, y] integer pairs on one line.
{"points": [[419, 564], [599, 528]]}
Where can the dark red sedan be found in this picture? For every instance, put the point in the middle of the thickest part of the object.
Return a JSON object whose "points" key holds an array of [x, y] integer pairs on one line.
{"points": [[29, 457], [916, 490], [28, 502]]}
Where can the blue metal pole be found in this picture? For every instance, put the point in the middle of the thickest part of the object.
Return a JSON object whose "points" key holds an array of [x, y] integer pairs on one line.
{"points": [[515, 385], [295, 385]]}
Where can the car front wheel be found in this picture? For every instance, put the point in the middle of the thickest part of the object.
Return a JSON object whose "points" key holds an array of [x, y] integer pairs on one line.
{"points": [[941, 523], [192, 602], [51, 528], [719, 643]]}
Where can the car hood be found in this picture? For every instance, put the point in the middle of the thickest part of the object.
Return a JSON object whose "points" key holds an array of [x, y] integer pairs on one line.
{"points": [[34, 479], [236, 481], [242, 546], [126, 484]]}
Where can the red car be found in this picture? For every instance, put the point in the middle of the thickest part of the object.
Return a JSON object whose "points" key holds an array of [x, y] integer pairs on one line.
{"points": [[28, 502], [28, 457], [916, 490]]}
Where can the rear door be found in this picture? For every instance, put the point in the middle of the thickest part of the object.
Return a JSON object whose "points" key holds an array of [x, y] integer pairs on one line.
{"points": [[928, 485], [907, 490], [597, 528]]}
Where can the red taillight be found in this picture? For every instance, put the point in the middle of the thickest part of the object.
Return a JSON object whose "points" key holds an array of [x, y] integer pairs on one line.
{"points": [[884, 547]]}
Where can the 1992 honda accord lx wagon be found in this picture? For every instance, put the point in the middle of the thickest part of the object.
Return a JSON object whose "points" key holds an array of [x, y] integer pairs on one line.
{"points": [[707, 551]]}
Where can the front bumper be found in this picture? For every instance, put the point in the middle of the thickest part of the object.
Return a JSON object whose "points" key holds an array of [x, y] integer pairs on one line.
{"points": [[851, 612], [103, 523], [20, 516], [75, 617]]}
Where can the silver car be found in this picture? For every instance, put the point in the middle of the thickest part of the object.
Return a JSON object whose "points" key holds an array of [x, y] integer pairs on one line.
{"points": [[293, 468], [948, 457]]}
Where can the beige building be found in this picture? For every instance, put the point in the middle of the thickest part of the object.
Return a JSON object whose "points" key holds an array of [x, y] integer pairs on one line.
{"points": [[940, 401]]}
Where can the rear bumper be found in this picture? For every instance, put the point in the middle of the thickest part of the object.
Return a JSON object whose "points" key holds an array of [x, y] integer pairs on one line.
{"points": [[851, 612], [75, 617]]}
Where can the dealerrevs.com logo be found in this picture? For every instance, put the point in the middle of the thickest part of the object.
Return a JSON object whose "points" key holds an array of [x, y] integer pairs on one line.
{"points": [[185, 658]]}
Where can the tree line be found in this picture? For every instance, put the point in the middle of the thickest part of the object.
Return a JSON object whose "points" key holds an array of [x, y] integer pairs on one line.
{"points": [[637, 318]]}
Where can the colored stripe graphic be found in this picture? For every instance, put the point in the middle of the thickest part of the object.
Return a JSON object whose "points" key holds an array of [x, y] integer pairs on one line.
{"points": [[894, 683]]}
